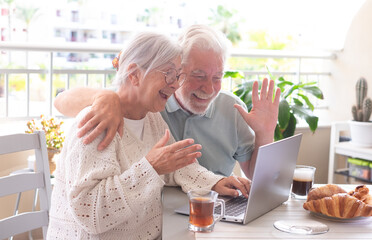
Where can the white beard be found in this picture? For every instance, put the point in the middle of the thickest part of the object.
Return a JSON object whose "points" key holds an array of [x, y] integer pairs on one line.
{"points": [[193, 107]]}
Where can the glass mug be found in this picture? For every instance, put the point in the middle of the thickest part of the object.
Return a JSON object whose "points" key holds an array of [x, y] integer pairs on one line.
{"points": [[303, 180], [202, 203]]}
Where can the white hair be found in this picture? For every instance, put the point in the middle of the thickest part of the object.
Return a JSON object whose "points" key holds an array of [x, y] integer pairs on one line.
{"points": [[204, 38], [148, 50]]}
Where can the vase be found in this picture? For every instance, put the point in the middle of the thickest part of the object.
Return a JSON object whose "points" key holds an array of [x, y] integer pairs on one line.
{"points": [[361, 133], [52, 163]]}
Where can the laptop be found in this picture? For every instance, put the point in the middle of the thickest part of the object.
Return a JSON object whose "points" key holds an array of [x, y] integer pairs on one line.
{"points": [[271, 182]]}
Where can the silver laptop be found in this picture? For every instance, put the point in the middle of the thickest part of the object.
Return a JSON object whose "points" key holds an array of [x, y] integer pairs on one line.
{"points": [[271, 182]]}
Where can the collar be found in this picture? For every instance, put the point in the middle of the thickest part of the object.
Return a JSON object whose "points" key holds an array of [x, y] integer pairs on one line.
{"points": [[173, 105]]}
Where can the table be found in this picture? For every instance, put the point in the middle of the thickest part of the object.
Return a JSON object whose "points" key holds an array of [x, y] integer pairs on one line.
{"points": [[175, 225]]}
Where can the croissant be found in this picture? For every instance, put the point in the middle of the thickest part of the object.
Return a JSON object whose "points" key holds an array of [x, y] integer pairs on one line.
{"points": [[340, 205], [324, 191], [361, 193], [333, 201]]}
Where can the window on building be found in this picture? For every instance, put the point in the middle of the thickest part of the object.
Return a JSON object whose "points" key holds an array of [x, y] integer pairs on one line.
{"points": [[75, 16], [4, 12], [3, 31], [73, 36], [57, 33], [114, 19], [104, 34], [113, 37]]}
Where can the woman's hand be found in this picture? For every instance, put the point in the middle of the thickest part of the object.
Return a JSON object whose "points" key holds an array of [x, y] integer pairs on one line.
{"points": [[168, 158], [228, 186], [105, 114]]}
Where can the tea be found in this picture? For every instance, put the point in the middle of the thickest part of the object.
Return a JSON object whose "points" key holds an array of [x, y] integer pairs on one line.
{"points": [[202, 202], [201, 212]]}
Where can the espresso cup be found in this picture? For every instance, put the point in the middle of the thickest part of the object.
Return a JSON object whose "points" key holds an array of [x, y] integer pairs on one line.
{"points": [[303, 180], [202, 203]]}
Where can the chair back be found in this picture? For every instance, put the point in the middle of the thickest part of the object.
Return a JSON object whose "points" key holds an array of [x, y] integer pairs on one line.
{"points": [[17, 183]]}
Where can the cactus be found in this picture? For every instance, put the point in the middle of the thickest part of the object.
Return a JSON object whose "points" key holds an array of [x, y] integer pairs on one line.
{"points": [[367, 109], [362, 110], [354, 111], [361, 91]]}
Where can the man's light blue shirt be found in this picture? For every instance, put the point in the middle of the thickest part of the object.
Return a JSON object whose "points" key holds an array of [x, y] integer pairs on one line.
{"points": [[222, 132]]}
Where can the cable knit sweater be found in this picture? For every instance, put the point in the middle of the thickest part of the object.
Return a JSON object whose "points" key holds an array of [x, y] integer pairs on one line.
{"points": [[115, 193]]}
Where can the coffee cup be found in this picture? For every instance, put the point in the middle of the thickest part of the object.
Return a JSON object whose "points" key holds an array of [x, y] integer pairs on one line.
{"points": [[202, 203], [303, 180]]}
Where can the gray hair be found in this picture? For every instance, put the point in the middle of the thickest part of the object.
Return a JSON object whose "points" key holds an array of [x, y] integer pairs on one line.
{"points": [[149, 50], [204, 38]]}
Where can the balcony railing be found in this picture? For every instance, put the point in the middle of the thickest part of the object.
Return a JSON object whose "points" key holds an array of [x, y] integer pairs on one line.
{"points": [[87, 65]]}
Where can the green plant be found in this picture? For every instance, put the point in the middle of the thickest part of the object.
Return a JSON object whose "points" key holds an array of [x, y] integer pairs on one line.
{"points": [[52, 128], [294, 103], [362, 111]]}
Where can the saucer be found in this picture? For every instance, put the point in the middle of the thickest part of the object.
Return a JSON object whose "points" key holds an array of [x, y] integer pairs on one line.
{"points": [[302, 227]]}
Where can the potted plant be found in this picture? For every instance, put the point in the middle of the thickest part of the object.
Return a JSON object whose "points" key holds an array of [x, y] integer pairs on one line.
{"points": [[53, 134], [360, 126], [294, 103]]}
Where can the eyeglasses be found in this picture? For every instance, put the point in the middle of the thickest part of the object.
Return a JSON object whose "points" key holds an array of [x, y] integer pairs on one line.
{"points": [[171, 76]]}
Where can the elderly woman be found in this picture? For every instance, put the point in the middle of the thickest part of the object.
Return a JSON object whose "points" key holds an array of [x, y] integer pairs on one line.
{"points": [[115, 193]]}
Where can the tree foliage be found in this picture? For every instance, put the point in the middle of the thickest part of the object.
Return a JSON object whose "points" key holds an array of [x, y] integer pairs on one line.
{"points": [[223, 19]]}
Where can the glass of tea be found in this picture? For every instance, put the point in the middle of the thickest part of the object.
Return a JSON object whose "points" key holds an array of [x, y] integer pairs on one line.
{"points": [[202, 203], [303, 180]]}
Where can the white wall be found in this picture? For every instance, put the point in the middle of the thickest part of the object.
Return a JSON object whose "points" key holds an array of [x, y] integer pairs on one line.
{"points": [[314, 151], [353, 62]]}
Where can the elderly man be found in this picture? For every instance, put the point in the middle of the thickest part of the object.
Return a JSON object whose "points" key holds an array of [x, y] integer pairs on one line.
{"points": [[198, 109]]}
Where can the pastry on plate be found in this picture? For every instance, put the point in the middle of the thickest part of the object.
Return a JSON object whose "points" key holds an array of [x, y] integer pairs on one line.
{"points": [[333, 201]]}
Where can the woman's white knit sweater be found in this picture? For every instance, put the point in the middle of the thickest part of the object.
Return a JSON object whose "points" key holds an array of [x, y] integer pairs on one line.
{"points": [[115, 193]]}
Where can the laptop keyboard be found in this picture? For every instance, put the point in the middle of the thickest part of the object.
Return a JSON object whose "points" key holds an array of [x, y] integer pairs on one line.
{"points": [[234, 207]]}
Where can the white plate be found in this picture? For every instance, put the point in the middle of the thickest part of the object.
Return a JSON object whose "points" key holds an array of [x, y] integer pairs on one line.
{"points": [[336, 219]]}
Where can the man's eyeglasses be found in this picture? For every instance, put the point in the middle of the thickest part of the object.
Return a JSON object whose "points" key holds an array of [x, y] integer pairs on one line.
{"points": [[171, 76]]}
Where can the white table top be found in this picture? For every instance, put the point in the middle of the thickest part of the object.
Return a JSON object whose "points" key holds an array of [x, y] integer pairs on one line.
{"points": [[175, 225]]}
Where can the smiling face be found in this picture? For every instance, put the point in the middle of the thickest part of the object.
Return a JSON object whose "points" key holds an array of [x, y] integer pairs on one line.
{"points": [[204, 69], [154, 90]]}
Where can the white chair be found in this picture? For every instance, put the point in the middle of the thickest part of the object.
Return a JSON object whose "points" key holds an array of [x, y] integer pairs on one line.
{"points": [[25, 170], [21, 182]]}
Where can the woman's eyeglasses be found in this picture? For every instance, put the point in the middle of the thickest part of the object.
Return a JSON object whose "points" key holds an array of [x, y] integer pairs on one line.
{"points": [[171, 76]]}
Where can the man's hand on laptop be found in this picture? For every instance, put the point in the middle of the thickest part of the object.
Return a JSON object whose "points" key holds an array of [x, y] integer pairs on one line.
{"points": [[228, 186]]}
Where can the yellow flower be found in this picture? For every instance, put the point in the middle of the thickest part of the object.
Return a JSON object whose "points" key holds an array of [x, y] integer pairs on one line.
{"points": [[52, 128]]}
